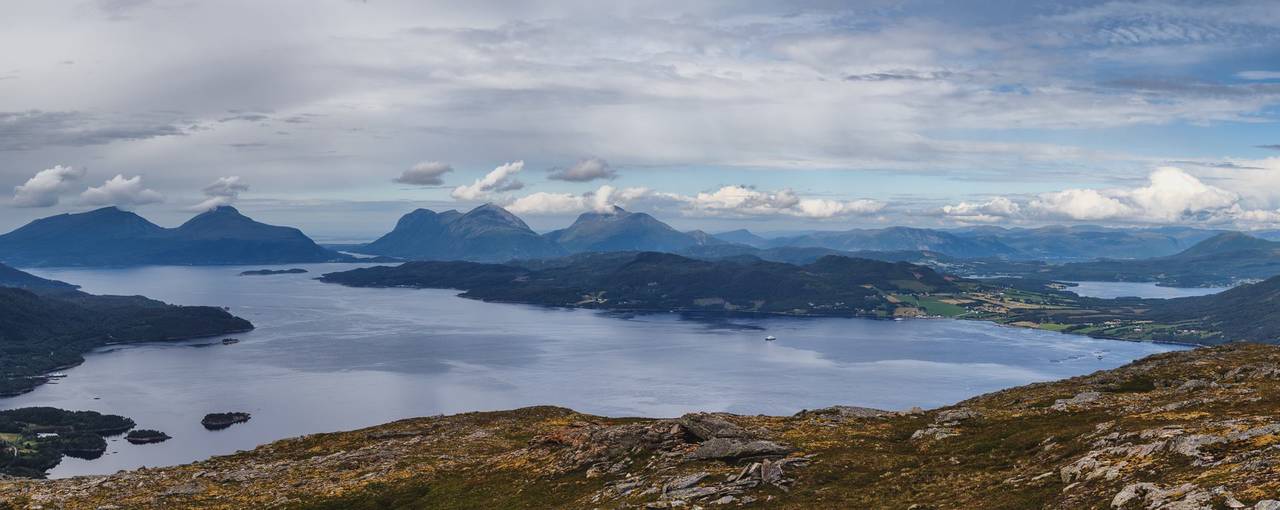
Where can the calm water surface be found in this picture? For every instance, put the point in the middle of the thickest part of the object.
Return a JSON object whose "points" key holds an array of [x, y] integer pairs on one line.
{"points": [[1110, 290], [327, 358]]}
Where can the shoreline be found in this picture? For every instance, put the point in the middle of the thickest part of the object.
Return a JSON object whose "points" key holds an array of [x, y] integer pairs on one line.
{"points": [[735, 313], [45, 377]]}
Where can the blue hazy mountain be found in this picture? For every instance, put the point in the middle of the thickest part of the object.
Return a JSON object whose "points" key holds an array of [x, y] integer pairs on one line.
{"points": [[743, 236], [900, 239], [487, 233], [113, 237], [1087, 242], [620, 230]]}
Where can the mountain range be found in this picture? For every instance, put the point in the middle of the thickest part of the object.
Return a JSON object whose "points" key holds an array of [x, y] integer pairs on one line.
{"points": [[900, 239], [114, 237], [489, 233], [1088, 242], [1224, 259]]}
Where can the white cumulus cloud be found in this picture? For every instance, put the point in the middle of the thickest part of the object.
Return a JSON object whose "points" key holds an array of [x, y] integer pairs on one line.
{"points": [[602, 199], [742, 200], [993, 210], [726, 201], [223, 191], [1081, 204], [426, 173], [1171, 196], [121, 192], [500, 179], [46, 187]]}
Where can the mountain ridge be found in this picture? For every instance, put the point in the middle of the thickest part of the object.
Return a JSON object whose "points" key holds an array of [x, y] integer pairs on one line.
{"points": [[621, 230], [110, 236], [487, 233]]}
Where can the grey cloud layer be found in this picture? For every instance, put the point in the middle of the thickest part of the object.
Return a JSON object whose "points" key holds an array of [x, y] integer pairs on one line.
{"points": [[585, 170], [35, 129], [370, 87]]}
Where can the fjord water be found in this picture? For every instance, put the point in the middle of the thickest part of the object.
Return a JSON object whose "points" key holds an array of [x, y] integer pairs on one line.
{"points": [[1109, 290], [327, 358]]}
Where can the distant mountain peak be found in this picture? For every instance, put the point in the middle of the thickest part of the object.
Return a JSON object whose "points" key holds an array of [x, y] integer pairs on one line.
{"points": [[224, 209], [1227, 242], [616, 229], [486, 233], [110, 236], [491, 211]]}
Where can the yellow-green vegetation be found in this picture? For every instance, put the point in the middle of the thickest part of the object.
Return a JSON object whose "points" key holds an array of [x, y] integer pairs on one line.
{"points": [[1191, 429], [945, 306]]}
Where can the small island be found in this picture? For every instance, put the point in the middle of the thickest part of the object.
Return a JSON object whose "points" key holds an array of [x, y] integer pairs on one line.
{"points": [[219, 421], [146, 436], [269, 272]]}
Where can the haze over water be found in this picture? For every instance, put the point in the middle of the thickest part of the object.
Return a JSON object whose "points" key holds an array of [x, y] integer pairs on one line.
{"points": [[327, 358]]}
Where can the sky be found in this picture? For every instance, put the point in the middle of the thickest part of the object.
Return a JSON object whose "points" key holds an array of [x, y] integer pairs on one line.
{"points": [[339, 116]]}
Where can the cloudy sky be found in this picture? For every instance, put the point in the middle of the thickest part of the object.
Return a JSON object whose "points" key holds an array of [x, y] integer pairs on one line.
{"points": [[338, 116]]}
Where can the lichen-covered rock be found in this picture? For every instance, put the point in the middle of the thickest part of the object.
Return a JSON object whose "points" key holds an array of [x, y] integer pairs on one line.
{"points": [[705, 426], [1082, 398], [731, 449]]}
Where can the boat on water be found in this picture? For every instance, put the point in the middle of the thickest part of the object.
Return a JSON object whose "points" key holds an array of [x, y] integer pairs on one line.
{"points": [[229, 341], [56, 375], [770, 338]]}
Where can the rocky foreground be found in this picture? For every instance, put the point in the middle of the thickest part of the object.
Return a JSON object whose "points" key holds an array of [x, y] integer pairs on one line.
{"points": [[1182, 430]]}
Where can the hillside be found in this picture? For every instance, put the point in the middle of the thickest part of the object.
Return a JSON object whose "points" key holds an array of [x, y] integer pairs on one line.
{"points": [[10, 277], [112, 237], [40, 333], [1190, 429], [837, 286], [1246, 312], [1220, 260], [102, 237], [224, 236], [1084, 242], [485, 234], [653, 281]]}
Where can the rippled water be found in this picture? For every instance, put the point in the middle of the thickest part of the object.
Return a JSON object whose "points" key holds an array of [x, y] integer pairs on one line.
{"points": [[328, 358]]}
